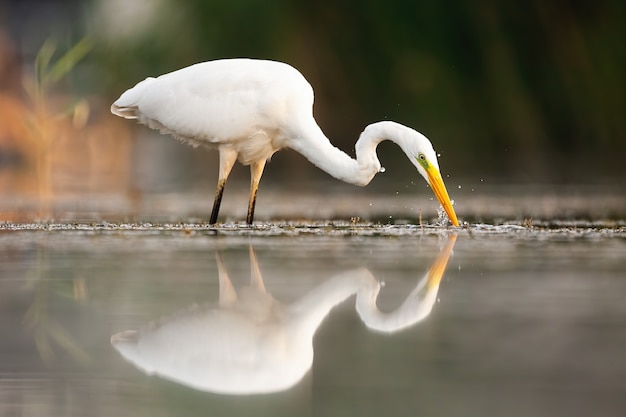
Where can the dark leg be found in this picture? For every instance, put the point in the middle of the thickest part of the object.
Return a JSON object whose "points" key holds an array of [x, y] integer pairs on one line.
{"points": [[218, 200], [227, 160], [256, 170]]}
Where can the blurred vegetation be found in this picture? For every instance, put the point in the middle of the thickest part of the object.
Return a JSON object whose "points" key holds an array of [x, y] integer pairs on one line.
{"points": [[40, 119], [526, 91]]}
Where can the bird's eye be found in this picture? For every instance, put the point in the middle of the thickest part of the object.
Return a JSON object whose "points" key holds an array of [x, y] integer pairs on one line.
{"points": [[421, 158]]}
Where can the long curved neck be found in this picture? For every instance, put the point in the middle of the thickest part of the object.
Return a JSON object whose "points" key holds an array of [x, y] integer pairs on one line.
{"points": [[317, 148], [307, 313]]}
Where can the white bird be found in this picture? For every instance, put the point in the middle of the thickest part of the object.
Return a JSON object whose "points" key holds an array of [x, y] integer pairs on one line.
{"points": [[250, 343], [248, 109]]}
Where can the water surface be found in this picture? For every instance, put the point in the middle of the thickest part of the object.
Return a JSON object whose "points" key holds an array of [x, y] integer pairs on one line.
{"points": [[524, 321]]}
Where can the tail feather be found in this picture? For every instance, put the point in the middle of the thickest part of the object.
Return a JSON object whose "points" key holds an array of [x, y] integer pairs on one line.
{"points": [[126, 105]]}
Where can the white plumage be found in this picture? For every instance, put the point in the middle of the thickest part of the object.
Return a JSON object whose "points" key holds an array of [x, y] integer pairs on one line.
{"points": [[248, 109]]}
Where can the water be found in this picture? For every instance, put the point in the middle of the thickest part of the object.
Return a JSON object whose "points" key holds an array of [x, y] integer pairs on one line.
{"points": [[525, 320]]}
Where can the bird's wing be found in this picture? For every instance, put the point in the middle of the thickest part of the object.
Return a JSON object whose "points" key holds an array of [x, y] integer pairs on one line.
{"points": [[215, 101]]}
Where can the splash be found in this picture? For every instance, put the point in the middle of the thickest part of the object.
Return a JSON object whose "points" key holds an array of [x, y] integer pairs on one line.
{"points": [[442, 217]]}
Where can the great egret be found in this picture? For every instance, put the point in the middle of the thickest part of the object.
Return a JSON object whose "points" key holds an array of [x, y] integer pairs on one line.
{"points": [[248, 109], [250, 343]]}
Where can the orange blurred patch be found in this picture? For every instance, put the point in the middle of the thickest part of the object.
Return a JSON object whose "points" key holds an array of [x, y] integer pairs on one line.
{"points": [[45, 157]]}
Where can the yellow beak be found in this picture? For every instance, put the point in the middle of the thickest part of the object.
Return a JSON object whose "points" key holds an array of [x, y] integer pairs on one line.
{"points": [[436, 183]]}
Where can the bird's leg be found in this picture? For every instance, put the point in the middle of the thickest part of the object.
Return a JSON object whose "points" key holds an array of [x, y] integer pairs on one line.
{"points": [[218, 200], [227, 160], [256, 170]]}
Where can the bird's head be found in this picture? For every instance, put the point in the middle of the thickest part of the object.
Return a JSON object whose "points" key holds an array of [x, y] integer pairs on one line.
{"points": [[418, 149], [421, 154]]}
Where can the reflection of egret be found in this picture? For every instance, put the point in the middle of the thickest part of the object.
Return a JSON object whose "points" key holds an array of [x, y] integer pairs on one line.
{"points": [[251, 343], [249, 109], [417, 305]]}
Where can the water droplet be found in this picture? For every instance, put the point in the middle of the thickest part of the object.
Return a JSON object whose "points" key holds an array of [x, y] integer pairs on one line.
{"points": [[438, 155], [382, 169], [481, 180], [459, 187]]}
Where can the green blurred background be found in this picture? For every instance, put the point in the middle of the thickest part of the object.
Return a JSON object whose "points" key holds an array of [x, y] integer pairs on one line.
{"points": [[509, 92]]}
